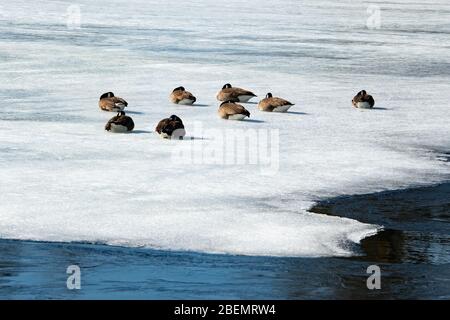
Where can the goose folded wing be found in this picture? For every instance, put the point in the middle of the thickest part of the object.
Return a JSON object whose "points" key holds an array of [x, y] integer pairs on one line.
{"points": [[232, 108], [118, 100]]}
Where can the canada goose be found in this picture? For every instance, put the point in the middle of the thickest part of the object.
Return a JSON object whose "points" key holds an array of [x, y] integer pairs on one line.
{"points": [[171, 128], [274, 104], [232, 111], [109, 102], [363, 100], [120, 123], [181, 96], [229, 93]]}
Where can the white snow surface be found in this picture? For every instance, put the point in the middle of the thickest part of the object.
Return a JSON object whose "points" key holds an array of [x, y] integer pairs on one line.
{"points": [[63, 178]]}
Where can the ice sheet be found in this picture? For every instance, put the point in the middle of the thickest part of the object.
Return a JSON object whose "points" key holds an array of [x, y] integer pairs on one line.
{"points": [[63, 178]]}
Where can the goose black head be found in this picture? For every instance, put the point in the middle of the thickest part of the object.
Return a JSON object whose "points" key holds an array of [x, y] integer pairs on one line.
{"points": [[174, 118], [107, 95], [120, 113], [179, 88], [226, 86], [268, 95], [362, 93]]}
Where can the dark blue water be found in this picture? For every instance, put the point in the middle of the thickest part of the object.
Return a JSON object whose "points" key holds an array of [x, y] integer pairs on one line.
{"points": [[413, 254]]}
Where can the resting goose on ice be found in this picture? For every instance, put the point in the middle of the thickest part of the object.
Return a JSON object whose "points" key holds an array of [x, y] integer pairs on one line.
{"points": [[171, 128], [274, 104], [363, 100], [120, 123], [181, 96], [232, 111], [229, 93], [109, 102]]}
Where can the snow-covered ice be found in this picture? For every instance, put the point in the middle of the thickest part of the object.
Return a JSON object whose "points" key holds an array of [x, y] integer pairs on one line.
{"points": [[63, 178]]}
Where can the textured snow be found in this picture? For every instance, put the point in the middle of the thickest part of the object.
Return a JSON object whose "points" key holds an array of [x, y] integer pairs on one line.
{"points": [[63, 178]]}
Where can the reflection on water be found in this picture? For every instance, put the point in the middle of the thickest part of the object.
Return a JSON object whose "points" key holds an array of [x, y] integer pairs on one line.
{"points": [[416, 221]]}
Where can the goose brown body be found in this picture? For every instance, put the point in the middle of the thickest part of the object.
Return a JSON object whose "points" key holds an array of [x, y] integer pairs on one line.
{"points": [[181, 96], [120, 123], [274, 104], [233, 111], [109, 102], [229, 93], [363, 100], [171, 127]]}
